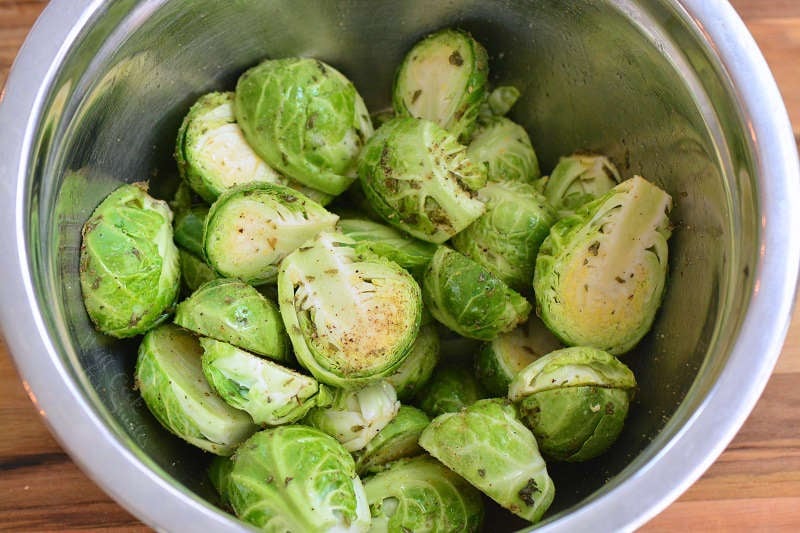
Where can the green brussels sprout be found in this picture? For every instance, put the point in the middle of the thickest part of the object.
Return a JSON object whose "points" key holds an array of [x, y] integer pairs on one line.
{"points": [[129, 265], [194, 271], [451, 388], [575, 401], [488, 446], [506, 150], [219, 473], [419, 179], [297, 478], [270, 393], [506, 238], [418, 365], [232, 311], [420, 494], [579, 179], [443, 79], [379, 118], [408, 252], [188, 229], [252, 227], [356, 416], [305, 119], [600, 274], [395, 441], [170, 379], [470, 300], [500, 360], [352, 316], [183, 198], [498, 103]]}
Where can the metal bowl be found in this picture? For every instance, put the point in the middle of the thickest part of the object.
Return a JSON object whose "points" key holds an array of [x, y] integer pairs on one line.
{"points": [[673, 90]]}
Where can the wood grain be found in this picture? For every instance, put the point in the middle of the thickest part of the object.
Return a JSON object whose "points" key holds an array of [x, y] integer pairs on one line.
{"points": [[754, 485]]}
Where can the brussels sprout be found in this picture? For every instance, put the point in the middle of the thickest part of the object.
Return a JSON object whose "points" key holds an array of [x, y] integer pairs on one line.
{"points": [[600, 274], [443, 79], [395, 441], [129, 266], [579, 179], [305, 119], [419, 179], [170, 379], [188, 229], [270, 393], [506, 238], [352, 316], [194, 271], [183, 198], [505, 149], [488, 446], [575, 401], [356, 416], [499, 102], [451, 388], [232, 311], [418, 366], [219, 473], [408, 252], [250, 228], [469, 299], [297, 478], [503, 358], [421, 494]]}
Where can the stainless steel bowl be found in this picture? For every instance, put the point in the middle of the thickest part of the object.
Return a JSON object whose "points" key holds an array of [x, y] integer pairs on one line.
{"points": [[675, 90]]}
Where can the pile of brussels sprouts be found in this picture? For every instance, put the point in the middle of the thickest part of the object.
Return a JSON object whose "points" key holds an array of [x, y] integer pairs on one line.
{"points": [[351, 330]]}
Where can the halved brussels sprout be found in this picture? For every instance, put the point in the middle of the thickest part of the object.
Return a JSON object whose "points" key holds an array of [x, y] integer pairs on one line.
{"points": [[356, 416], [170, 379], [579, 179], [506, 238], [601, 272], [451, 388], [252, 227], [397, 440], [470, 300], [297, 478], [421, 494], [506, 150], [419, 179], [418, 366], [188, 229], [488, 446], [408, 252], [305, 119], [232, 311], [194, 271], [270, 393], [443, 79], [575, 401], [500, 360], [129, 265], [352, 316]]}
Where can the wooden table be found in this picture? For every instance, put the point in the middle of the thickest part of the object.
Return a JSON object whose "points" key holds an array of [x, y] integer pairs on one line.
{"points": [[755, 484]]}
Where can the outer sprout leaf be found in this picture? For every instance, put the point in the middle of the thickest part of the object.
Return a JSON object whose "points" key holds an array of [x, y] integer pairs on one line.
{"points": [[579, 179]]}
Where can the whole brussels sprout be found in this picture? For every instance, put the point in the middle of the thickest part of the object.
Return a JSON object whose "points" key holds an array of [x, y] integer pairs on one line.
{"points": [[397, 440], [500, 360], [297, 478], [419, 179], [470, 300], [579, 179], [352, 316], [420, 494], [232, 311], [305, 119], [129, 265], [270, 393], [600, 274], [488, 446], [506, 238], [506, 150], [451, 388], [443, 79], [355, 417], [169, 376], [252, 227], [418, 366], [575, 401]]}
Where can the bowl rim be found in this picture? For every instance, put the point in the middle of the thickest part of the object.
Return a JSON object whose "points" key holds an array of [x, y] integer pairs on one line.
{"points": [[134, 482]]}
